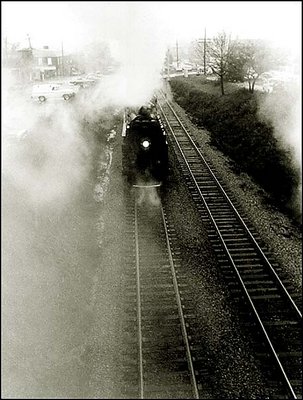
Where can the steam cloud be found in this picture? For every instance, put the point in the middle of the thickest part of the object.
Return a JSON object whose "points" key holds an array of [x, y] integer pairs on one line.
{"points": [[58, 152], [282, 109], [44, 318], [49, 159]]}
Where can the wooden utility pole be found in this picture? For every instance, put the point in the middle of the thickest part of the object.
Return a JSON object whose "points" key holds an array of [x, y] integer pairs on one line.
{"points": [[204, 54], [168, 72], [29, 41], [6, 50], [62, 56]]}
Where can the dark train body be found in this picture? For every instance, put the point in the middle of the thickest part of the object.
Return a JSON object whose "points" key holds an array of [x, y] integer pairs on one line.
{"points": [[144, 150]]}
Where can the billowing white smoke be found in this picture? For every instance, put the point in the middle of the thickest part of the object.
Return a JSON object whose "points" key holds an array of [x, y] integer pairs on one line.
{"points": [[44, 155], [142, 59], [283, 109], [49, 163], [139, 44], [56, 145]]}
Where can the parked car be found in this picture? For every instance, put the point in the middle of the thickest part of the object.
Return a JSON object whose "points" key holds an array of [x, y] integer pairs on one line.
{"points": [[82, 82], [187, 66], [95, 76], [57, 91]]}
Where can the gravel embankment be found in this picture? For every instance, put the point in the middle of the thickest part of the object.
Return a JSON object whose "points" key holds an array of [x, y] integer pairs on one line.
{"points": [[229, 355], [235, 374], [279, 233]]}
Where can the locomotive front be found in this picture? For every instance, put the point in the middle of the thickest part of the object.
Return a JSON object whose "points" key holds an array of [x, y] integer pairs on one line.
{"points": [[145, 151]]}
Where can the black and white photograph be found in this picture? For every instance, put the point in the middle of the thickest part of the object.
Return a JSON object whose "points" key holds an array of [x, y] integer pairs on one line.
{"points": [[151, 193]]}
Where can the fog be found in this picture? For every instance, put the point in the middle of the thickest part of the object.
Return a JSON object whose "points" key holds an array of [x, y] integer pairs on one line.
{"points": [[138, 33], [78, 22], [47, 158], [50, 238], [56, 158], [282, 109], [50, 161]]}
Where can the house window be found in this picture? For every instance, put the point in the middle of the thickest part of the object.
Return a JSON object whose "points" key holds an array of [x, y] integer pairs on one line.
{"points": [[40, 61], [49, 61]]}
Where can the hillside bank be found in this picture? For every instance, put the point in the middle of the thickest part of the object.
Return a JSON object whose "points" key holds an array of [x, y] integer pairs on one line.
{"points": [[248, 137]]}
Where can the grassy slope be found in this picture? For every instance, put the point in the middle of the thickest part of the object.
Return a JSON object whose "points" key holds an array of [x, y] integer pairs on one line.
{"points": [[237, 130]]}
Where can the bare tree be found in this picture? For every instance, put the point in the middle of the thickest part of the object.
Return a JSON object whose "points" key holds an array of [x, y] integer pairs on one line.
{"points": [[219, 56], [10, 53], [237, 60], [96, 56], [258, 59]]}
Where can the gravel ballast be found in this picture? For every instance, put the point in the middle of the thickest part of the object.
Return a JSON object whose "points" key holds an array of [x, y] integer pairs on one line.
{"points": [[277, 231]]}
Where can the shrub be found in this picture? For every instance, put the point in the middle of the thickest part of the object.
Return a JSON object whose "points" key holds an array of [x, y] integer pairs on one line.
{"points": [[236, 130]]}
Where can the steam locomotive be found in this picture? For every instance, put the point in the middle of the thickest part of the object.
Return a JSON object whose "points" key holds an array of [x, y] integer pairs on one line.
{"points": [[144, 149]]}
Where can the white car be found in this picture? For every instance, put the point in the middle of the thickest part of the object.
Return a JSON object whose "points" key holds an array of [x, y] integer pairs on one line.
{"points": [[94, 76], [82, 82], [187, 67], [52, 91]]}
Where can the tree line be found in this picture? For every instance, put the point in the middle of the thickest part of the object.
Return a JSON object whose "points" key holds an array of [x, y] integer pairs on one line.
{"points": [[235, 60]]}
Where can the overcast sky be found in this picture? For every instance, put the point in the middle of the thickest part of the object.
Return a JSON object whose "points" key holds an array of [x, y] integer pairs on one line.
{"points": [[76, 23]]}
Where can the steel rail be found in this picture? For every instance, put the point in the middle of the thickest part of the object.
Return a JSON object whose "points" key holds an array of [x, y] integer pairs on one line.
{"points": [[189, 358], [226, 249], [141, 381], [278, 280], [181, 315]]}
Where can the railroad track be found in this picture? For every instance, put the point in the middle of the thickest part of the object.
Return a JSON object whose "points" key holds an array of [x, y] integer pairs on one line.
{"points": [[252, 278], [161, 359]]}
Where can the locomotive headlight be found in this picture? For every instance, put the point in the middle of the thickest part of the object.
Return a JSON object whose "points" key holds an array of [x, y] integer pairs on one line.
{"points": [[145, 144]]}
